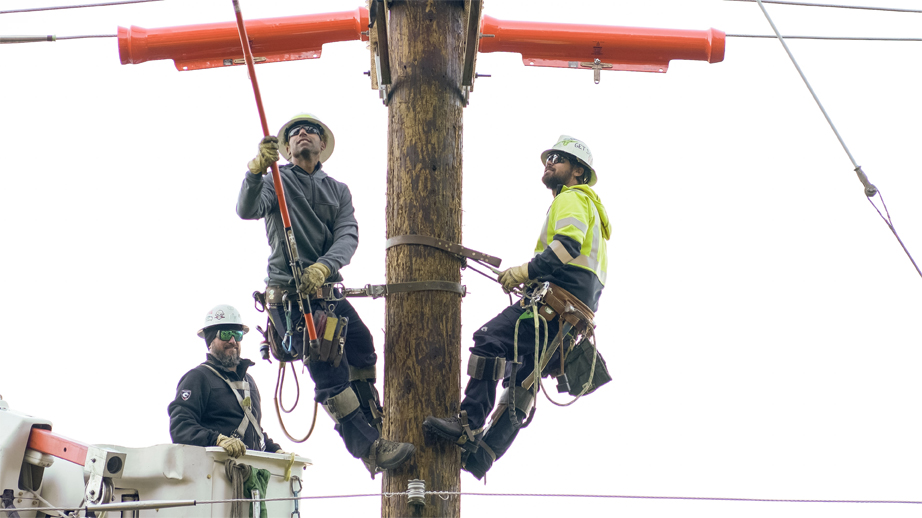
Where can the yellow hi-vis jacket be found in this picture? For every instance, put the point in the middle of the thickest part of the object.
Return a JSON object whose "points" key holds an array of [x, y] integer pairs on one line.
{"points": [[571, 250]]}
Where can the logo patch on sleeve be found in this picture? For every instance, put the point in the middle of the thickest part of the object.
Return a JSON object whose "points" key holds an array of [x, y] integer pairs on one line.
{"points": [[185, 395]]}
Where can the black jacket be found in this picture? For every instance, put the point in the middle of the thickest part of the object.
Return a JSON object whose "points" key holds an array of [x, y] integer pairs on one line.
{"points": [[205, 406]]}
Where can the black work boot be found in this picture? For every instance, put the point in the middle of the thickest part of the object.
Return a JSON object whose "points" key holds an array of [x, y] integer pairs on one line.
{"points": [[384, 455], [454, 429]]}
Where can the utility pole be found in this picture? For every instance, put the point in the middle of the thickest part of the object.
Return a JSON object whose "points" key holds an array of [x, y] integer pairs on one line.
{"points": [[423, 330]]}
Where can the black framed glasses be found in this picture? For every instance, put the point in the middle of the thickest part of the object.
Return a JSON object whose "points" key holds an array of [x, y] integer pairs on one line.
{"points": [[306, 126], [227, 334], [555, 158]]}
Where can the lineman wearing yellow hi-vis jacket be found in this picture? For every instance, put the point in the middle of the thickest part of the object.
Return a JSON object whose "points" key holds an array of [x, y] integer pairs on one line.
{"points": [[570, 254]]}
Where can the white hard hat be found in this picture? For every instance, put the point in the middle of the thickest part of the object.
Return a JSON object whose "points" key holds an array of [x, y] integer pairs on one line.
{"points": [[578, 149], [222, 314], [306, 117]]}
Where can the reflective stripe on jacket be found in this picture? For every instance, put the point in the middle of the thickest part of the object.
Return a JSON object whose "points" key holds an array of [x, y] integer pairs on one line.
{"points": [[572, 250]]}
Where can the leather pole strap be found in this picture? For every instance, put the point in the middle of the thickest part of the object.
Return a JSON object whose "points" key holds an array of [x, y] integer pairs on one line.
{"points": [[443, 245]]}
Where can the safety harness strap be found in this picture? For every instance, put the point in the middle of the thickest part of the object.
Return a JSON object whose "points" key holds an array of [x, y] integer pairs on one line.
{"points": [[441, 244], [245, 404]]}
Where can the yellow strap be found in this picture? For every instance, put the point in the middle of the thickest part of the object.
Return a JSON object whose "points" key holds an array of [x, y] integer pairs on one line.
{"points": [[291, 463]]}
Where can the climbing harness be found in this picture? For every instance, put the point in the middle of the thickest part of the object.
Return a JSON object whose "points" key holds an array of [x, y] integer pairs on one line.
{"points": [[245, 404]]}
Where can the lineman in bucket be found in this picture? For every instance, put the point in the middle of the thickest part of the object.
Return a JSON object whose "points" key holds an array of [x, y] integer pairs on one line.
{"points": [[217, 403], [327, 235], [571, 256]]}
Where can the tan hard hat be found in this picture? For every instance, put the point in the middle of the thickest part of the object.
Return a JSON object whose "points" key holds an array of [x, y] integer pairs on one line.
{"points": [[306, 117]]}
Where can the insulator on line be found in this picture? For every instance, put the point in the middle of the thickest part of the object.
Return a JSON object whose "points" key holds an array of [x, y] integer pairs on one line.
{"points": [[416, 492]]}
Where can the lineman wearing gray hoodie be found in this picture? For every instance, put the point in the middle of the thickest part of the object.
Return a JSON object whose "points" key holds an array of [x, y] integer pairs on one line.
{"points": [[326, 233]]}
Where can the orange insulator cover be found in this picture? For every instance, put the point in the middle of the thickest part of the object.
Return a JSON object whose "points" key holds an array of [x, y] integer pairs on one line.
{"points": [[193, 47], [623, 48], [45, 441]]}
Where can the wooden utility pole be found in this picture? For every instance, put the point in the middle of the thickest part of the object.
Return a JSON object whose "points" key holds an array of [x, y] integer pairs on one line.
{"points": [[423, 331]]}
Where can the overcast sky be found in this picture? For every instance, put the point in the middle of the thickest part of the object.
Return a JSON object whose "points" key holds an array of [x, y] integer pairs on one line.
{"points": [[761, 323]]}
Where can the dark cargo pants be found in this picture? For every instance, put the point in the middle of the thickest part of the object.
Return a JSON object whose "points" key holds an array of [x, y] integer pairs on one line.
{"points": [[357, 433]]}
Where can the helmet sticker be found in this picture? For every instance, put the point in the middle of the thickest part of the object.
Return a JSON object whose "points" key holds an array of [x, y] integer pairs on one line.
{"points": [[219, 315]]}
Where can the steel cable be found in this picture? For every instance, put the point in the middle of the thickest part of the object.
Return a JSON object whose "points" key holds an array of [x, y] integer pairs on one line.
{"points": [[836, 6], [869, 189], [35, 9]]}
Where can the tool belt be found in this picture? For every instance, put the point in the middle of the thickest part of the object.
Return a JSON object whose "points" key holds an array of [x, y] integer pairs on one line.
{"points": [[557, 301], [576, 356], [330, 328]]}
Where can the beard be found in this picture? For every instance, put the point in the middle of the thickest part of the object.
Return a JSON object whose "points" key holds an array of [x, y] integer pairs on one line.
{"points": [[227, 360], [304, 153]]}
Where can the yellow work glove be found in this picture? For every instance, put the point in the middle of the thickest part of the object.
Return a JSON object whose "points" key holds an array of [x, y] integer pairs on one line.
{"points": [[514, 276], [268, 154], [232, 445], [313, 278]]}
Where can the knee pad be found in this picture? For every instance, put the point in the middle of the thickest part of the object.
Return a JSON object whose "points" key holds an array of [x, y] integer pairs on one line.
{"points": [[341, 405], [484, 368]]}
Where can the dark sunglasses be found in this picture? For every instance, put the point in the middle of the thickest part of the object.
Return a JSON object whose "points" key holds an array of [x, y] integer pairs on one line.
{"points": [[227, 334], [309, 128], [555, 158]]}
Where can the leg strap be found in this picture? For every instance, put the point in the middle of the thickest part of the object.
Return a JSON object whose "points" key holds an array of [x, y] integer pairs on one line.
{"points": [[524, 399], [365, 374], [482, 367], [468, 440], [341, 405], [368, 396]]}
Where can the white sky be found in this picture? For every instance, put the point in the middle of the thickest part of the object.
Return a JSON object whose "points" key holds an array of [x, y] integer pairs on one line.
{"points": [[760, 321]]}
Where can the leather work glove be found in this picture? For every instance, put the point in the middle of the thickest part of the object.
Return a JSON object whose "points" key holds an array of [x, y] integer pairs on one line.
{"points": [[313, 278], [232, 445], [513, 277], [268, 154]]}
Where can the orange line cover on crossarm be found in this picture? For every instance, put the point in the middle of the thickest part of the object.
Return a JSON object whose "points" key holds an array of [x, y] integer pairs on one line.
{"points": [[635, 49], [194, 47], [57, 446]]}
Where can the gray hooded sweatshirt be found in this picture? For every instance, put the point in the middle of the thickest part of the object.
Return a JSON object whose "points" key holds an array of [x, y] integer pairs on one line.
{"points": [[322, 219]]}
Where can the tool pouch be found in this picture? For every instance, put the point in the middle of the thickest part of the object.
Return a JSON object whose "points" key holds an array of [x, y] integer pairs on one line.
{"points": [[331, 331], [578, 365], [274, 339]]}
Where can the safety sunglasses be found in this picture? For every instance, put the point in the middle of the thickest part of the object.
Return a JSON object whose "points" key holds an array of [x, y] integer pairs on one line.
{"points": [[555, 158], [227, 334], [309, 128]]}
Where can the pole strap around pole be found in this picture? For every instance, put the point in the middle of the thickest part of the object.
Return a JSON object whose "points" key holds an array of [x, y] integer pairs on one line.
{"points": [[376, 291], [442, 244]]}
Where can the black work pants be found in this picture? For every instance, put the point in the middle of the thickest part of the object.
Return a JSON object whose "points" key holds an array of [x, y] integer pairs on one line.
{"points": [[329, 381], [496, 338]]}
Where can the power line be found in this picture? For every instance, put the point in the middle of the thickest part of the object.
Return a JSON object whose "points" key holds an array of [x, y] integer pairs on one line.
{"points": [[870, 190], [189, 503], [34, 9], [836, 38], [836, 6], [50, 37]]}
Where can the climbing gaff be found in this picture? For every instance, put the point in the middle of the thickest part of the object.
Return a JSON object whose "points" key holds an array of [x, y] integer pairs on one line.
{"points": [[277, 182]]}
